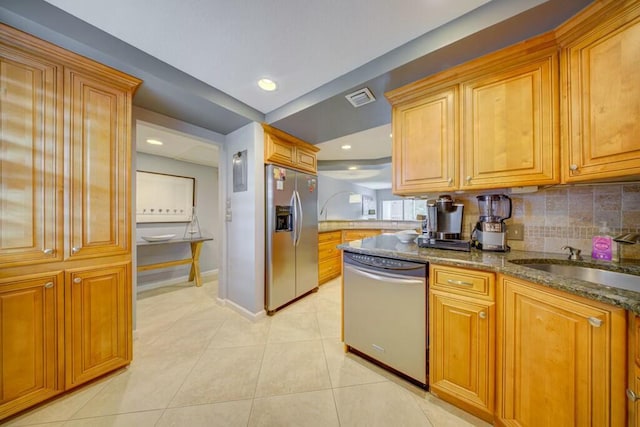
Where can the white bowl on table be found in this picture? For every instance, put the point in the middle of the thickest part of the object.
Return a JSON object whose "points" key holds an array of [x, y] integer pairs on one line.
{"points": [[159, 238]]}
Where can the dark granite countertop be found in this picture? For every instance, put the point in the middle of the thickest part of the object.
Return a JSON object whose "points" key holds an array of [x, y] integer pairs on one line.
{"points": [[356, 224], [389, 246]]}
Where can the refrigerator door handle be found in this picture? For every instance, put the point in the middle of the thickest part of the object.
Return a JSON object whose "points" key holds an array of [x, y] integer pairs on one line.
{"points": [[294, 213], [299, 217]]}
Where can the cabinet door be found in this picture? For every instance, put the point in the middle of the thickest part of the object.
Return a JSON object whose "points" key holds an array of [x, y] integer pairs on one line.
{"points": [[30, 158], [510, 134], [31, 337], [601, 77], [306, 160], [278, 152], [98, 322], [560, 353], [633, 367], [425, 143], [462, 352], [99, 158]]}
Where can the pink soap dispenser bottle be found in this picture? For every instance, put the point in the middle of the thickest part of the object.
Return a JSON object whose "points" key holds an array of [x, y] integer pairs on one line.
{"points": [[602, 245]]}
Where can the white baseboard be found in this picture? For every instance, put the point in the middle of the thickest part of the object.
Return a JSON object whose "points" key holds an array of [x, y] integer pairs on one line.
{"points": [[206, 276], [243, 311]]}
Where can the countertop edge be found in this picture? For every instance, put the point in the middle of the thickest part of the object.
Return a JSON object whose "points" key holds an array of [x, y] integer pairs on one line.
{"points": [[500, 263]]}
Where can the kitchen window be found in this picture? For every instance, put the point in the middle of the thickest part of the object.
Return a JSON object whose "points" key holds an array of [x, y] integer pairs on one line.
{"points": [[403, 209]]}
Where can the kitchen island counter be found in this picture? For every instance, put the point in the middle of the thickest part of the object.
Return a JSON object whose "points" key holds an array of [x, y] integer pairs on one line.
{"points": [[370, 224], [388, 245]]}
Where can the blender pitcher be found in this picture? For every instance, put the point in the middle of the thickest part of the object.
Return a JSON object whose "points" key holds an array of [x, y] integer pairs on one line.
{"points": [[494, 207]]}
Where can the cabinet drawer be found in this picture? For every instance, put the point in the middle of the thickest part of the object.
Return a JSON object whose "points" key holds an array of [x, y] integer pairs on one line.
{"points": [[462, 281], [330, 236], [329, 269], [328, 250]]}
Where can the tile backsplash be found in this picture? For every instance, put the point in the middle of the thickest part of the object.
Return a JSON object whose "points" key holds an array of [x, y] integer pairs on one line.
{"points": [[568, 215]]}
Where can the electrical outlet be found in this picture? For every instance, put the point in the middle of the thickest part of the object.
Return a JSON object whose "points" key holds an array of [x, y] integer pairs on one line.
{"points": [[515, 232]]}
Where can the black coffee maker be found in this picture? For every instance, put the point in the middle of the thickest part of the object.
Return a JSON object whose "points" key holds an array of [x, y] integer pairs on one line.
{"points": [[490, 233], [442, 228]]}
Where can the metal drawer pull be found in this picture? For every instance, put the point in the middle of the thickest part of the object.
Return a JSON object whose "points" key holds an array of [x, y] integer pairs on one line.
{"points": [[631, 395], [458, 282], [594, 321], [47, 251], [77, 280], [75, 250], [482, 315], [48, 285]]}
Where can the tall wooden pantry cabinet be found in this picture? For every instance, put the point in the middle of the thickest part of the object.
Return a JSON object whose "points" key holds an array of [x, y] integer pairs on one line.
{"points": [[65, 222]]}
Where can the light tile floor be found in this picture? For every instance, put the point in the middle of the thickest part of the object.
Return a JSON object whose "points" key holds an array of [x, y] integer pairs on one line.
{"points": [[198, 363]]}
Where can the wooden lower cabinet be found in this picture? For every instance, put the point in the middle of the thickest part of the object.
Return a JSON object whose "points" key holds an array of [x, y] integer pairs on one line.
{"points": [[98, 322], [351, 235], [462, 325], [633, 382], [329, 256], [31, 338], [561, 358]]}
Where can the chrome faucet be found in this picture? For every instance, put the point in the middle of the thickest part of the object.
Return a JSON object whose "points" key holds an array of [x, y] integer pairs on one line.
{"points": [[574, 253], [628, 238]]}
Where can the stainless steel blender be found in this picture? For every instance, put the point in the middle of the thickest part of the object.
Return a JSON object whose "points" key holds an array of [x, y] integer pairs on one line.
{"points": [[490, 233]]}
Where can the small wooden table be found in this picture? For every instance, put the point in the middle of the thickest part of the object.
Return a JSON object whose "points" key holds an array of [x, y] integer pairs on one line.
{"points": [[196, 247]]}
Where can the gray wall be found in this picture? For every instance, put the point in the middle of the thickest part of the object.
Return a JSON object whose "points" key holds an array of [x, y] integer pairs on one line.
{"points": [[335, 193], [206, 201], [242, 284]]}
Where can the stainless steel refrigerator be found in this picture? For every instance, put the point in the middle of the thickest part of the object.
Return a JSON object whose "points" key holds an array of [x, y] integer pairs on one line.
{"points": [[292, 235]]}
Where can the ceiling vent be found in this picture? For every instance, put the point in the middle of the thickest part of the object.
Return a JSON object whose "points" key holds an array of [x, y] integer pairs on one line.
{"points": [[360, 97]]}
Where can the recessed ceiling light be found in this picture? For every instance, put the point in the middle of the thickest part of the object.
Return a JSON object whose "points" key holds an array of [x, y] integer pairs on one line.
{"points": [[267, 84], [346, 147], [352, 168], [154, 142]]}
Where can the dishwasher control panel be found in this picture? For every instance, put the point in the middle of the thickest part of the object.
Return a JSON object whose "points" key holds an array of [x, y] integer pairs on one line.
{"points": [[381, 262]]}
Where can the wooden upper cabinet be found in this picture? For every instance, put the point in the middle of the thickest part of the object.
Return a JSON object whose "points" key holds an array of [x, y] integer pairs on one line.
{"points": [[425, 140], [30, 158], [510, 133], [488, 123], [99, 158], [31, 334], [286, 150], [601, 92]]}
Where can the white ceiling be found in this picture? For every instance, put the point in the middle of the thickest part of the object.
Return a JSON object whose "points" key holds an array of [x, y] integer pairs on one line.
{"points": [[300, 44], [175, 145], [313, 49], [374, 143], [371, 144]]}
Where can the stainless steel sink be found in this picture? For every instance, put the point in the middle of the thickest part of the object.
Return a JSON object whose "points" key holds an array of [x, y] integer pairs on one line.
{"points": [[613, 279]]}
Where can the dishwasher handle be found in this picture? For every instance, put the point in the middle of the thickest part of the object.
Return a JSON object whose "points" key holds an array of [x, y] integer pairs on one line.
{"points": [[379, 275]]}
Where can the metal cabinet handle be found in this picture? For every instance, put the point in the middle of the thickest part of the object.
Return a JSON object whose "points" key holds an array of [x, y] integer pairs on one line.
{"points": [[77, 280], [631, 395], [48, 285], [75, 249], [482, 315], [594, 321], [573, 167], [469, 179], [450, 181], [47, 251], [459, 282]]}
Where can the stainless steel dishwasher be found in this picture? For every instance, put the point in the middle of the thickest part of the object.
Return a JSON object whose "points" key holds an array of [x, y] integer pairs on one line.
{"points": [[385, 312]]}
